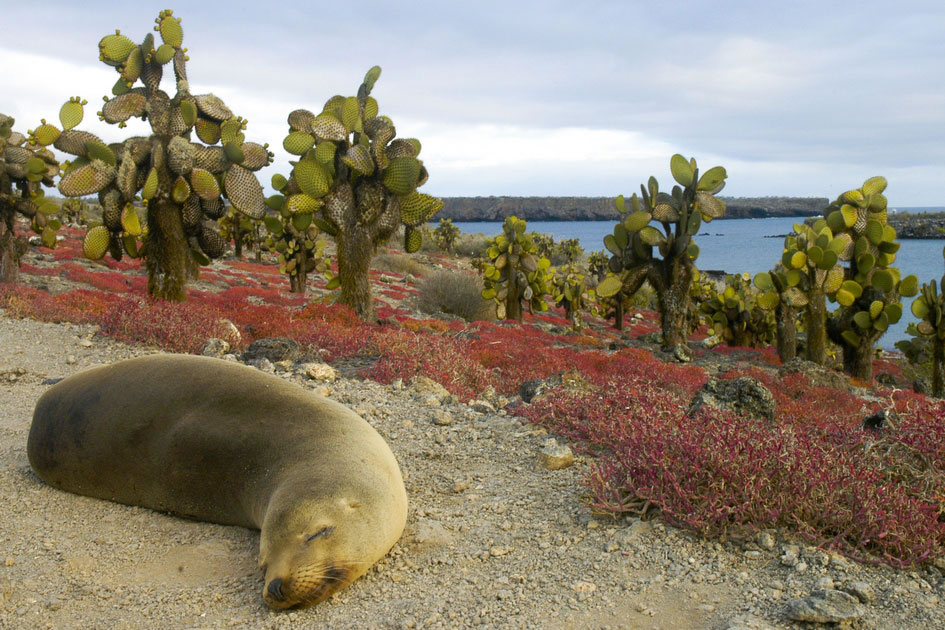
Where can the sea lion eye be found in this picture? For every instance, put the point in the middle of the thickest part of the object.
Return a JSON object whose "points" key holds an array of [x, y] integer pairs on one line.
{"points": [[324, 531]]}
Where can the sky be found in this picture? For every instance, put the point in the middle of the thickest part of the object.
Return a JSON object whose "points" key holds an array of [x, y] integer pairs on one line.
{"points": [[793, 98]]}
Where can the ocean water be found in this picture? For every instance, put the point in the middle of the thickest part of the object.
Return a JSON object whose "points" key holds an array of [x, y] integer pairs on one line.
{"points": [[752, 245]]}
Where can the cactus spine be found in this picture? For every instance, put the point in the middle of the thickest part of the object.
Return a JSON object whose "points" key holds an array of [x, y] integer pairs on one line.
{"points": [[514, 272], [679, 214], [869, 296], [24, 170], [359, 182], [182, 183]]}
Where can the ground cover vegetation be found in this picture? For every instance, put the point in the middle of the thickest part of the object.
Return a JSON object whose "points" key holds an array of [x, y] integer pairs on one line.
{"points": [[484, 316]]}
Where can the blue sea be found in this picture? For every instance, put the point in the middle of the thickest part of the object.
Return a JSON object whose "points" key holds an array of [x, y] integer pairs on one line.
{"points": [[752, 245]]}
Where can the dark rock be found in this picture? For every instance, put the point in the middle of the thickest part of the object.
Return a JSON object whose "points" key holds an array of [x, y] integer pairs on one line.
{"points": [[531, 389], [921, 386], [818, 374], [745, 396], [882, 419], [887, 379], [826, 606], [273, 348]]}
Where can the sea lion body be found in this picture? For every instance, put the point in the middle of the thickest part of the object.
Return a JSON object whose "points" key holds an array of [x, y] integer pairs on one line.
{"points": [[221, 442]]}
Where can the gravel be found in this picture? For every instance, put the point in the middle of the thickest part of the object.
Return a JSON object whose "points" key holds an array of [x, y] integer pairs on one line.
{"points": [[494, 538]]}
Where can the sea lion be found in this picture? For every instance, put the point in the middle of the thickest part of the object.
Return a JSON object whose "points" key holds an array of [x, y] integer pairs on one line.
{"points": [[222, 442]]}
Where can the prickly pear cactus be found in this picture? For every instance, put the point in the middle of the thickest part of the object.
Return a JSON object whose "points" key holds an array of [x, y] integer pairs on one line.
{"points": [[809, 271], [571, 293], [241, 230], [736, 316], [666, 223], [359, 181], [183, 184], [295, 237], [514, 272], [24, 170], [446, 234], [869, 295], [929, 309]]}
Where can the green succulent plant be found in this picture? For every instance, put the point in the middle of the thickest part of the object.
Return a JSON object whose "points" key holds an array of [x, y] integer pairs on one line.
{"points": [[736, 316], [809, 271], [359, 182], [446, 234], [929, 309], [183, 184], [241, 230], [24, 169], [571, 293], [869, 296], [295, 238], [666, 223], [514, 272]]}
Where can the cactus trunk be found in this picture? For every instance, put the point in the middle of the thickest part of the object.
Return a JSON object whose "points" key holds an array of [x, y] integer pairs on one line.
{"points": [[816, 327], [298, 280], [938, 366], [355, 251], [618, 313], [169, 262], [9, 249], [858, 360], [513, 305], [671, 279], [786, 317]]}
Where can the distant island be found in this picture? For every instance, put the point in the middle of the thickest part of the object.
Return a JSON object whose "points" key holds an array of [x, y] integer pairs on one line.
{"points": [[918, 224], [604, 209]]}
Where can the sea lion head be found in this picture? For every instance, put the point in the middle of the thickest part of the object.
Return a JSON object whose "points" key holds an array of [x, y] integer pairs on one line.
{"points": [[312, 547]]}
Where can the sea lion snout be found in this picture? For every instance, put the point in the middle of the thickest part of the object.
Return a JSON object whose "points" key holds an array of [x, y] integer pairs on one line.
{"points": [[274, 590]]}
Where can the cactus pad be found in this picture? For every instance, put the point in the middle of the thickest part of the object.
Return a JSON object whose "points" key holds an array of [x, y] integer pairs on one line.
{"points": [[123, 107], [213, 107], [244, 192], [87, 179], [359, 159], [401, 175], [95, 243], [327, 127], [298, 142], [312, 178]]}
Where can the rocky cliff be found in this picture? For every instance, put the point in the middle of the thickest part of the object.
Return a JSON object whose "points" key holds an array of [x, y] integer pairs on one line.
{"points": [[918, 225], [603, 209]]}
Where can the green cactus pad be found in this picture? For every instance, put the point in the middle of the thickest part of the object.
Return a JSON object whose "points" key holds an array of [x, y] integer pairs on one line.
{"points": [[204, 184], [327, 127], [400, 177], [325, 152], [244, 192], [150, 185], [874, 232], [303, 204], [129, 220], [681, 170], [862, 320], [95, 150], [712, 180], [850, 337], [877, 203], [207, 130], [95, 243], [115, 48], [636, 221], [279, 181], [164, 54], [211, 159], [652, 237], [181, 190], [351, 114], [131, 69], [865, 262], [312, 178], [87, 179], [172, 33], [883, 280], [874, 186], [234, 152], [795, 298], [70, 114], [370, 108], [298, 142], [46, 134], [413, 239], [188, 113], [844, 297], [417, 208], [920, 308], [909, 286]]}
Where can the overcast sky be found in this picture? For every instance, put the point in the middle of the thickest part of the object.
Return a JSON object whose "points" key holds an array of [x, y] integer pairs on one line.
{"points": [[549, 98]]}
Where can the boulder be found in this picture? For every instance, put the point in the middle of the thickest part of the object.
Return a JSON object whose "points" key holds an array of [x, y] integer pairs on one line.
{"points": [[745, 396]]}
